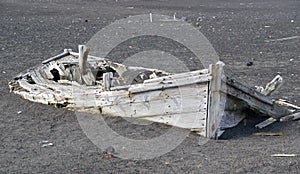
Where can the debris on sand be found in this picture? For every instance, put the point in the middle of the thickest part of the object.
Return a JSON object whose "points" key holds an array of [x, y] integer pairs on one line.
{"points": [[284, 155], [269, 134], [283, 39], [249, 63], [46, 143], [109, 152]]}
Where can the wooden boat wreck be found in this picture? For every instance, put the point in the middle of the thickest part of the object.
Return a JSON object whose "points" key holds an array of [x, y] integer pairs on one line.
{"points": [[204, 101]]}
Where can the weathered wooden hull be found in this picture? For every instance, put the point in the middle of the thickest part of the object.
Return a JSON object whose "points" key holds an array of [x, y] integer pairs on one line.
{"points": [[205, 101]]}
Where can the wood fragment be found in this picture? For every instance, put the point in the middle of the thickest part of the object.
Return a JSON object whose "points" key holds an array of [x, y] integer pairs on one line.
{"points": [[284, 103], [266, 123], [294, 116], [255, 100], [284, 155], [283, 39], [83, 55], [269, 134], [59, 56], [271, 86]]}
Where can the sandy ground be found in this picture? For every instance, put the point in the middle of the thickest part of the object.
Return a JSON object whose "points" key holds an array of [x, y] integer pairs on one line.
{"points": [[32, 31]]}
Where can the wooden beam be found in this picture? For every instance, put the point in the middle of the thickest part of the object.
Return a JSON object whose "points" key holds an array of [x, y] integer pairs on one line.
{"points": [[59, 56], [255, 100], [249, 91], [294, 116], [215, 100], [266, 123], [170, 84]]}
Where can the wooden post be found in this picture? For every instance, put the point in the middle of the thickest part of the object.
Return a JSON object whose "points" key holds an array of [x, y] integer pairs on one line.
{"points": [[107, 83], [83, 55], [215, 100]]}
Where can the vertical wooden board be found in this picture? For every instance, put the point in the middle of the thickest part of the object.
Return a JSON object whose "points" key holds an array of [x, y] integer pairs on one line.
{"points": [[216, 101], [107, 82]]}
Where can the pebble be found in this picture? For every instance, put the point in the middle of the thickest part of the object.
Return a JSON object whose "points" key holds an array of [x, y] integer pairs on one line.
{"points": [[249, 64], [19, 112]]}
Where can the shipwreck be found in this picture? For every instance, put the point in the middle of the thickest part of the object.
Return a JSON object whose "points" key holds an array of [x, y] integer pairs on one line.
{"points": [[204, 101]]}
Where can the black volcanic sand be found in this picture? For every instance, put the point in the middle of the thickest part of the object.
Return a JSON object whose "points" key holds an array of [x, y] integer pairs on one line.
{"points": [[35, 30]]}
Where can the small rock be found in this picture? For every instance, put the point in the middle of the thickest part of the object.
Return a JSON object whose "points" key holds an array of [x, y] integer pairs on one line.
{"points": [[291, 60], [109, 152], [249, 64], [3, 72], [19, 112], [292, 21]]}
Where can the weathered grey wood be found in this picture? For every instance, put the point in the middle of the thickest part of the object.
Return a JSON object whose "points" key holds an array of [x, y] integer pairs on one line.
{"points": [[261, 104], [216, 101], [173, 100], [249, 91], [183, 120], [271, 86], [192, 100], [59, 56], [286, 104], [107, 80], [294, 116], [170, 84], [83, 55], [177, 76], [266, 123]]}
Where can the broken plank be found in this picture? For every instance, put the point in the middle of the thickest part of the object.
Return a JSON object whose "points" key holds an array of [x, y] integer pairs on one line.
{"points": [[266, 123], [177, 76], [171, 84], [294, 116], [258, 104], [215, 101], [59, 56], [249, 91]]}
